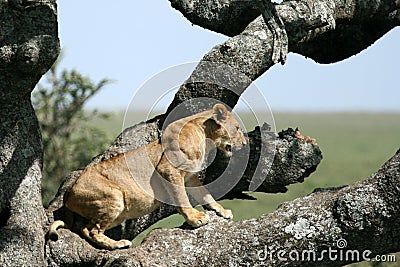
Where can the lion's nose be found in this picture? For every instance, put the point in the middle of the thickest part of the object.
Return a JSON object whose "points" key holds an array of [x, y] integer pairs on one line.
{"points": [[228, 148]]}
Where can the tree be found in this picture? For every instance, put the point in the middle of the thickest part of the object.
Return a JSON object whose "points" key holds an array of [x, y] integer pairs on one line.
{"points": [[365, 214], [69, 141]]}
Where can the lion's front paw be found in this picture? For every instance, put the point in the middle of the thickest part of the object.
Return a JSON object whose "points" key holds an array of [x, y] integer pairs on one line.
{"points": [[227, 214], [198, 219]]}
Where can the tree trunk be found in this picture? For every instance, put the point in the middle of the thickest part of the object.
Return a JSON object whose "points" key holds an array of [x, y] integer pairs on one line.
{"points": [[28, 47]]}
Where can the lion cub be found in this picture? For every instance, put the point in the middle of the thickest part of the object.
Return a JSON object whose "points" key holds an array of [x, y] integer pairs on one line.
{"points": [[134, 183]]}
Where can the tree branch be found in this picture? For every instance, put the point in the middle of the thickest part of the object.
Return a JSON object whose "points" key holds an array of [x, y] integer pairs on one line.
{"points": [[329, 227], [228, 17], [325, 30]]}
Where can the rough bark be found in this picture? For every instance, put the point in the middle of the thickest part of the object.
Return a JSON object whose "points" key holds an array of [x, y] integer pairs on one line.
{"points": [[324, 30], [362, 217], [226, 17], [28, 47]]}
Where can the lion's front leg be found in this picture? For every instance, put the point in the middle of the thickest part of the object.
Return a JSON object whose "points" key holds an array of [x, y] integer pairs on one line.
{"points": [[201, 194], [192, 216], [176, 190]]}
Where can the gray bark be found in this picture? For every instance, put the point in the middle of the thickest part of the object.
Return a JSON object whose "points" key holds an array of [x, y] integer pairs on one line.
{"points": [[28, 47], [326, 31]]}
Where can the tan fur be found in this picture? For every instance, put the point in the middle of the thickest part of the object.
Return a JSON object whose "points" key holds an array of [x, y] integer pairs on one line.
{"points": [[126, 186]]}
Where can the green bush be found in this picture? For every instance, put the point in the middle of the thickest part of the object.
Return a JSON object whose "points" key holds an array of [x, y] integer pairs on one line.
{"points": [[69, 140]]}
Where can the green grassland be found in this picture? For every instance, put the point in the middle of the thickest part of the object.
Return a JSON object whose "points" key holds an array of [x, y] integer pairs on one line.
{"points": [[354, 145]]}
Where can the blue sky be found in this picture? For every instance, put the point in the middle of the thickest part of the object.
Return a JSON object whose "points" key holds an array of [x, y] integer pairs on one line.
{"points": [[131, 41]]}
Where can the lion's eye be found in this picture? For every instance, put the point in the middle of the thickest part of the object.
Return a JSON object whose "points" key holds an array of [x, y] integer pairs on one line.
{"points": [[228, 148]]}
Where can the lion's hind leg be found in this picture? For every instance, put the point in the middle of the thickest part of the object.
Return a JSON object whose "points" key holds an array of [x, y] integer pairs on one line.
{"points": [[102, 203], [108, 213], [95, 233]]}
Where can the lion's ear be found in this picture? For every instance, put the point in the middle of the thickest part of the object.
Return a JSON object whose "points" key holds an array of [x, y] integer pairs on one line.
{"points": [[220, 112]]}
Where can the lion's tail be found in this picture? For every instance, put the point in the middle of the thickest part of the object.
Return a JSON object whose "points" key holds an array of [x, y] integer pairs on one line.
{"points": [[53, 235]]}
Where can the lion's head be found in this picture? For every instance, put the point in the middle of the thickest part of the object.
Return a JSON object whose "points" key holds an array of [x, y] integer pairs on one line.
{"points": [[225, 130], [186, 141]]}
